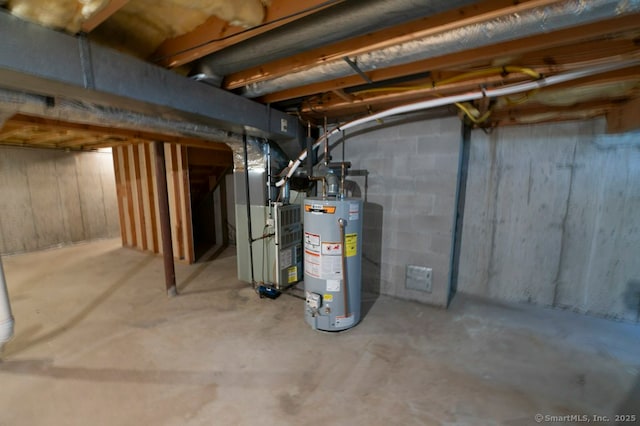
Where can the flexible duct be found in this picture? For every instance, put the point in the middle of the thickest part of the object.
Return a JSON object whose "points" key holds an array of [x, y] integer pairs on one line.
{"points": [[526, 23], [345, 20], [6, 318], [489, 93]]}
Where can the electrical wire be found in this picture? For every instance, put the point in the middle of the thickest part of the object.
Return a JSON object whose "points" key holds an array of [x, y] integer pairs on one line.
{"points": [[478, 73], [471, 115], [470, 96], [461, 77]]}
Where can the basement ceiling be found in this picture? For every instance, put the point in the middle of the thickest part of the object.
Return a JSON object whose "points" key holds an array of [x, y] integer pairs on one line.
{"points": [[343, 60]]}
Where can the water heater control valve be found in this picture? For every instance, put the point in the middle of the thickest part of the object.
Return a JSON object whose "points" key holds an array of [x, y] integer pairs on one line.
{"points": [[313, 301]]}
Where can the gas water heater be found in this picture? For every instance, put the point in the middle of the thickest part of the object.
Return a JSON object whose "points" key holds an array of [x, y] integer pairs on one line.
{"points": [[332, 262]]}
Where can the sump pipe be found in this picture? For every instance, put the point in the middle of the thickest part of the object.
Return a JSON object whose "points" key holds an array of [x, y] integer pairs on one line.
{"points": [[490, 93], [6, 318]]}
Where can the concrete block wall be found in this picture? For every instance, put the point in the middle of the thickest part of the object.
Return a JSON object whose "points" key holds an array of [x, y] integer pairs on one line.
{"points": [[410, 202], [50, 198], [552, 218]]}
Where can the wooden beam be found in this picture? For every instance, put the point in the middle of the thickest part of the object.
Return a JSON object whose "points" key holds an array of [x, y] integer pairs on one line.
{"points": [[424, 88], [485, 54], [216, 34], [208, 158], [388, 37], [11, 129], [624, 118], [102, 15], [343, 95], [381, 103], [59, 125], [536, 112], [110, 143]]}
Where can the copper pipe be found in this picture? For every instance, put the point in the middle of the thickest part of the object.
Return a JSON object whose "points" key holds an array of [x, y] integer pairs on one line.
{"points": [[324, 184], [342, 176], [326, 144], [345, 291]]}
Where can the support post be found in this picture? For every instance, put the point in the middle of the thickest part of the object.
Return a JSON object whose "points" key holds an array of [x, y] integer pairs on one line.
{"points": [[165, 220], [6, 318], [223, 211], [461, 196]]}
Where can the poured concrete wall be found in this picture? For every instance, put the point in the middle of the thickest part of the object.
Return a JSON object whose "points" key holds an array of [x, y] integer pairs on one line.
{"points": [[552, 217], [51, 198], [410, 202]]}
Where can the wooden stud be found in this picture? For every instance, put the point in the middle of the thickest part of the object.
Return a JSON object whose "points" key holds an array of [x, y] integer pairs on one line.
{"points": [[165, 220], [102, 15], [624, 118], [117, 153], [129, 196], [138, 180], [186, 201], [176, 197], [152, 200]]}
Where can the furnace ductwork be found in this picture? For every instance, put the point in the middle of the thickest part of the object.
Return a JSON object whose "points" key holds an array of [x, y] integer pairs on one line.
{"points": [[464, 97], [526, 23], [348, 19]]}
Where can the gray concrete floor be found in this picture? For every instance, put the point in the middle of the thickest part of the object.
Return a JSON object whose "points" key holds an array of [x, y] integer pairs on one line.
{"points": [[98, 343]]}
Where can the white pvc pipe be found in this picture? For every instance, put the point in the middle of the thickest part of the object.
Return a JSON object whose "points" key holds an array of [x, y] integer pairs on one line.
{"points": [[490, 93], [6, 319]]}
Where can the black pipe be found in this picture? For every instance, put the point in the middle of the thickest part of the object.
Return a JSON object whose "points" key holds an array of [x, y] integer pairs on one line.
{"points": [[461, 196], [246, 177]]}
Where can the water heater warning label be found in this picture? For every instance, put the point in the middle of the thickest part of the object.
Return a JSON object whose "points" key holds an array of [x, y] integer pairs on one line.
{"points": [[312, 242], [311, 264], [332, 249], [333, 285], [312, 260], [351, 245], [354, 211], [331, 268]]}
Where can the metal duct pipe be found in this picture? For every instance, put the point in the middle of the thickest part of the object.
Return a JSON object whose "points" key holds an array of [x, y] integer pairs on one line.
{"points": [[525, 23], [6, 318], [345, 20], [448, 100]]}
